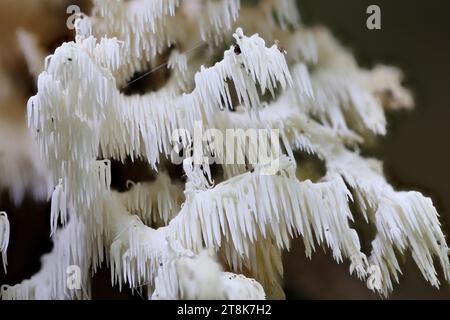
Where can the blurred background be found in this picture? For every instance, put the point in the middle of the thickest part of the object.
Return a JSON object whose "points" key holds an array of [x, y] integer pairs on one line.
{"points": [[416, 152]]}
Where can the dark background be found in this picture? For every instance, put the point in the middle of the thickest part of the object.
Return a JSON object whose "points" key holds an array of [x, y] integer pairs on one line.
{"points": [[415, 37]]}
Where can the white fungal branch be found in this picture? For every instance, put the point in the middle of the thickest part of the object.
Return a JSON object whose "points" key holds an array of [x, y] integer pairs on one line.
{"points": [[385, 83], [301, 46], [58, 207], [404, 220], [346, 97], [148, 27], [264, 253], [199, 280], [142, 256], [285, 208], [178, 62], [144, 12], [65, 115], [217, 18], [297, 130], [341, 102], [4, 237], [155, 202], [140, 126]]}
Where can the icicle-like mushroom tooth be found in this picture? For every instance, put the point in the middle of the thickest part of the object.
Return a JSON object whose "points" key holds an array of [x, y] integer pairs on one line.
{"points": [[125, 126], [155, 202], [4, 237], [404, 221]]}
